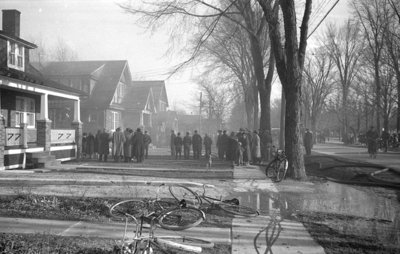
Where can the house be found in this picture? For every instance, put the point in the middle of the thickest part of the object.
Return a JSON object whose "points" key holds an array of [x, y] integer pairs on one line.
{"points": [[161, 124], [103, 85], [27, 138], [139, 107]]}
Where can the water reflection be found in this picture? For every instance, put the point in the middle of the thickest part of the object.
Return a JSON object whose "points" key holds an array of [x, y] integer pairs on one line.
{"points": [[343, 208]]}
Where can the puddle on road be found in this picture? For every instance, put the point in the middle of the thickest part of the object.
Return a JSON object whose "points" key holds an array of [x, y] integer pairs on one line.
{"points": [[343, 208]]}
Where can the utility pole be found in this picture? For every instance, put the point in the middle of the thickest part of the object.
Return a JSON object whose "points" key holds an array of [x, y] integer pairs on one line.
{"points": [[201, 95]]}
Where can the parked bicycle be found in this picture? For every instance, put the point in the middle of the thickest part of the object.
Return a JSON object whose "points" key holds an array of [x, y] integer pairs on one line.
{"points": [[277, 168], [145, 244], [185, 194]]}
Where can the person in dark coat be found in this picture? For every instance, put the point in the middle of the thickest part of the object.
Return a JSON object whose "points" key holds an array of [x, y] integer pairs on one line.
{"points": [[147, 142], [84, 145], [96, 143], [372, 142], [197, 145], [104, 146], [233, 148], [172, 143], [224, 145], [127, 145], [90, 142], [138, 145], [207, 145], [178, 146], [187, 143], [308, 141], [219, 145]]}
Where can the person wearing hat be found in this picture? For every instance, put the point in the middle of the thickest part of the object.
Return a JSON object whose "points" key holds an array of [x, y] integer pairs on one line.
{"points": [[187, 142], [138, 145], [308, 141], [118, 144], [372, 141], [172, 143], [197, 145], [147, 142], [178, 146]]}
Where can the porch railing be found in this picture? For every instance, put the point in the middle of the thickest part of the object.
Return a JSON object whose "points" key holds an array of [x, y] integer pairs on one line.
{"points": [[62, 136], [14, 136]]}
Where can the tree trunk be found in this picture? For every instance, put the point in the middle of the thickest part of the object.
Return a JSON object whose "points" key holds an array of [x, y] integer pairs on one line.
{"points": [[256, 110], [293, 135], [249, 106]]}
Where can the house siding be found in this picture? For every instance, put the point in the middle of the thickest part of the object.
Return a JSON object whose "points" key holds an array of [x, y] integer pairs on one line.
{"points": [[3, 53]]}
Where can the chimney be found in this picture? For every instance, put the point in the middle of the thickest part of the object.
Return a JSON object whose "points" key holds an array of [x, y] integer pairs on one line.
{"points": [[11, 22]]}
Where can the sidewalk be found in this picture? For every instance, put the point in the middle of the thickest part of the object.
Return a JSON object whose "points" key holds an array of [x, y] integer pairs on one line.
{"points": [[359, 154]]}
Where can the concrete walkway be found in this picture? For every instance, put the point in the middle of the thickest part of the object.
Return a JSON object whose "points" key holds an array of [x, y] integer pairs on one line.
{"points": [[110, 230]]}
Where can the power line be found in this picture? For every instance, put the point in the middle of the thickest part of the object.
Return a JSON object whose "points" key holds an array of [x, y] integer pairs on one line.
{"points": [[318, 10], [323, 18]]}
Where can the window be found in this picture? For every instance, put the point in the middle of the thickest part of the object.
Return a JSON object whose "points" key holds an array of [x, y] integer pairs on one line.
{"points": [[20, 56], [25, 111], [16, 55], [11, 54], [115, 120], [119, 94]]}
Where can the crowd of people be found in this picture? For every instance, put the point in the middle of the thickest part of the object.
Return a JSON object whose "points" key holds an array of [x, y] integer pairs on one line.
{"points": [[242, 148], [127, 145]]}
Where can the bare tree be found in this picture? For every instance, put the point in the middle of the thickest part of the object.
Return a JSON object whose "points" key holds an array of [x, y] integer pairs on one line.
{"points": [[318, 84], [392, 40], [289, 52], [344, 47], [62, 52], [372, 15], [228, 49]]}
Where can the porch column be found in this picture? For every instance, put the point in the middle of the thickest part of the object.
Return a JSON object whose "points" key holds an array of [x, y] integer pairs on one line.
{"points": [[44, 107], [77, 111], [77, 125], [44, 124], [2, 141]]}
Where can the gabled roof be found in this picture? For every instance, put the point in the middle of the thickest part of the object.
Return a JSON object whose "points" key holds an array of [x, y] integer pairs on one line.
{"points": [[137, 98], [108, 75], [158, 86], [10, 37], [33, 76]]}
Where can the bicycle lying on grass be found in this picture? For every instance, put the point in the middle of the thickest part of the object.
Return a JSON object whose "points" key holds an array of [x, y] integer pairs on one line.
{"points": [[185, 194], [145, 244], [168, 215], [277, 168]]}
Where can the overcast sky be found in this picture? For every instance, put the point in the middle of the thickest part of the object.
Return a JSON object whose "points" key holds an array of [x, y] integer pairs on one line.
{"points": [[100, 30]]}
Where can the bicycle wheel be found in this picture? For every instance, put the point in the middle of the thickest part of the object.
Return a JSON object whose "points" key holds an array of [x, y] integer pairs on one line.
{"points": [[181, 218], [127, 208], [187, 240], [282, 168], [238, 209], [180, 192], [271, 169]]}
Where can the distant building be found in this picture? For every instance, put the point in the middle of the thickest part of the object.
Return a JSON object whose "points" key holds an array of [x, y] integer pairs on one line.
{"points": [[27, 138], [162, 121]]}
